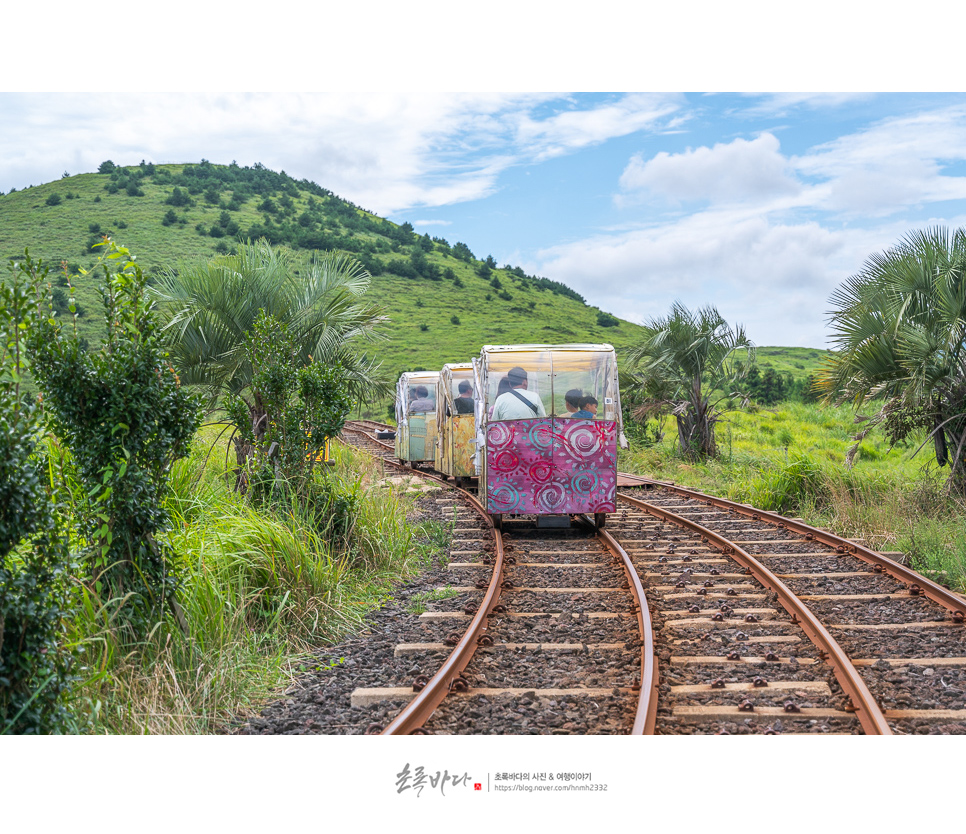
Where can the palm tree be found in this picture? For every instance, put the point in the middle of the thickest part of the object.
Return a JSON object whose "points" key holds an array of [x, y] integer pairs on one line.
{"points": [[683, 360], [899, 327], [209, 308], [209, 311]]}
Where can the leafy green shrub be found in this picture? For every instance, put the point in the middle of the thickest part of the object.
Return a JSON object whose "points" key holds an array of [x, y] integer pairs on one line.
{"points": [[124, 417], [178, 198], [293, 409], [607, 320], [54, 199], [34, 667]]}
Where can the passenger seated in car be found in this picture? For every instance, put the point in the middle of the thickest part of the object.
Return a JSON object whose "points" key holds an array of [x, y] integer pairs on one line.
{"points": [[422, 403], [518, 403], [588, 408], [572, 401], [464, 402]]}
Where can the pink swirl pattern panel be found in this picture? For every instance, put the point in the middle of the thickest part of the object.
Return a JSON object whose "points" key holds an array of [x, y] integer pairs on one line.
{"points": [[553, 465], [585, 460]]}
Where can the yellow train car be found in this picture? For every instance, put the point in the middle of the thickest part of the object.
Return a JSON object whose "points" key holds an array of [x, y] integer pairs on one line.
{"points": [[456, 422], [416, 406]]}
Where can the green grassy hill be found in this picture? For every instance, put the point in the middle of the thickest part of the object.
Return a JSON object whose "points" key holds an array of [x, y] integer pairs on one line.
{"points": [[442, 301], [799, 362]]}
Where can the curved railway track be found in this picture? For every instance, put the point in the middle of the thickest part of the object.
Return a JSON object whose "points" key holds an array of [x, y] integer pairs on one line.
{"points": [[751, 623]]}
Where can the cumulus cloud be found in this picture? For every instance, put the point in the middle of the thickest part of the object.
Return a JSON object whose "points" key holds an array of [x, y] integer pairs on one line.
{"points": [[773, 278], [385, 152], [737, 171], [891, 165]]}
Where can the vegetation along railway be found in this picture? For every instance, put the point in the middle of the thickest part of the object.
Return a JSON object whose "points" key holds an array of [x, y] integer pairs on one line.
{"points": [[686, 614]]}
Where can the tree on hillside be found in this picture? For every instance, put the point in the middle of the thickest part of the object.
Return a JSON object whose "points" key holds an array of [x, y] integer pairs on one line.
{"points": [[210, 310], [899, 328], [684, 359]]}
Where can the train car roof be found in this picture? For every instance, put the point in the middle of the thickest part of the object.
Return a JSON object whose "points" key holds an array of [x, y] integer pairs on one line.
{"points": [[589, 348], [411, 375]]}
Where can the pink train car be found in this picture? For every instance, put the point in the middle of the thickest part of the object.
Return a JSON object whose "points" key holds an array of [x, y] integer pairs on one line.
{"points": [[548, 427]]}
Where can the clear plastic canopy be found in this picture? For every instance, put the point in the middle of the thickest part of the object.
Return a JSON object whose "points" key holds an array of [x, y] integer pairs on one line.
{"points": [[552, 372], [415, 386]]}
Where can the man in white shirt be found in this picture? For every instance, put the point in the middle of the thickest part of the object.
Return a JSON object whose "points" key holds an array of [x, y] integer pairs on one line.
{"points": [[518, 403]]}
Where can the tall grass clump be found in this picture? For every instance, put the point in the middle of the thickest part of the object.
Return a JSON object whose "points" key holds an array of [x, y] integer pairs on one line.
{"points": [[263, 584]]}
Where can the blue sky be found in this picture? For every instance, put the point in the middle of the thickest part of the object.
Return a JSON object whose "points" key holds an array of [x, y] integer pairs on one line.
{"points": [[758, 203]]}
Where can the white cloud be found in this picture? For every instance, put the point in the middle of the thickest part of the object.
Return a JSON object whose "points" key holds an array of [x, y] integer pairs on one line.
{"points": [[385, 152], [573, 129], [892, 165], [775, 104], [738, 171], [773, 278]]}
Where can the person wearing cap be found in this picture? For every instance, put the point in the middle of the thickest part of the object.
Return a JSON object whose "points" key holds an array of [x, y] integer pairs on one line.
{"points": [[518, 403], [464, 402]]}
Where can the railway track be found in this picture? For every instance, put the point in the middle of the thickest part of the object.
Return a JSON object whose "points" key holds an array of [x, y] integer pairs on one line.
{"points": [[751, 623]]}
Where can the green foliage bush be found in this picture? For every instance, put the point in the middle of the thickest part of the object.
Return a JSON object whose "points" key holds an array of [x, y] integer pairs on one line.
{"points": [[293, 410], [123, 416], [34, 668], [178, 198]]}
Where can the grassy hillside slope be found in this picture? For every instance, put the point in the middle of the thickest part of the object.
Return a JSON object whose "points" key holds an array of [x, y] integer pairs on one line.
{"points": [[799, 362], [170, 214]]}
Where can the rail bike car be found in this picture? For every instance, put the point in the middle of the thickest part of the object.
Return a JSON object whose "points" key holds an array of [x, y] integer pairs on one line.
{"points": [[456, 422], [548, 426], [416, 417]]}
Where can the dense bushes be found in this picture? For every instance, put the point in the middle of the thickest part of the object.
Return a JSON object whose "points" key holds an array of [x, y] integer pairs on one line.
{"points": [[123, 416], [297, 406], [34, 669]]}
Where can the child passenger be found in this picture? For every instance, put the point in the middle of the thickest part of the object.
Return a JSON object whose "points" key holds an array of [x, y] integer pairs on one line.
{"points": [[588, 408]]}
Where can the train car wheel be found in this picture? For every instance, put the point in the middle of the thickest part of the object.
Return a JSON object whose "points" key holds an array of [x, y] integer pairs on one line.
{"points": [[599, 520]]}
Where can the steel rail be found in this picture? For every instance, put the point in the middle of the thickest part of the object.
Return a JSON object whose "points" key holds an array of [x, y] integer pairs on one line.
{"points": [[645, 718], [866, 708], [417, 712], [918, 583]]}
